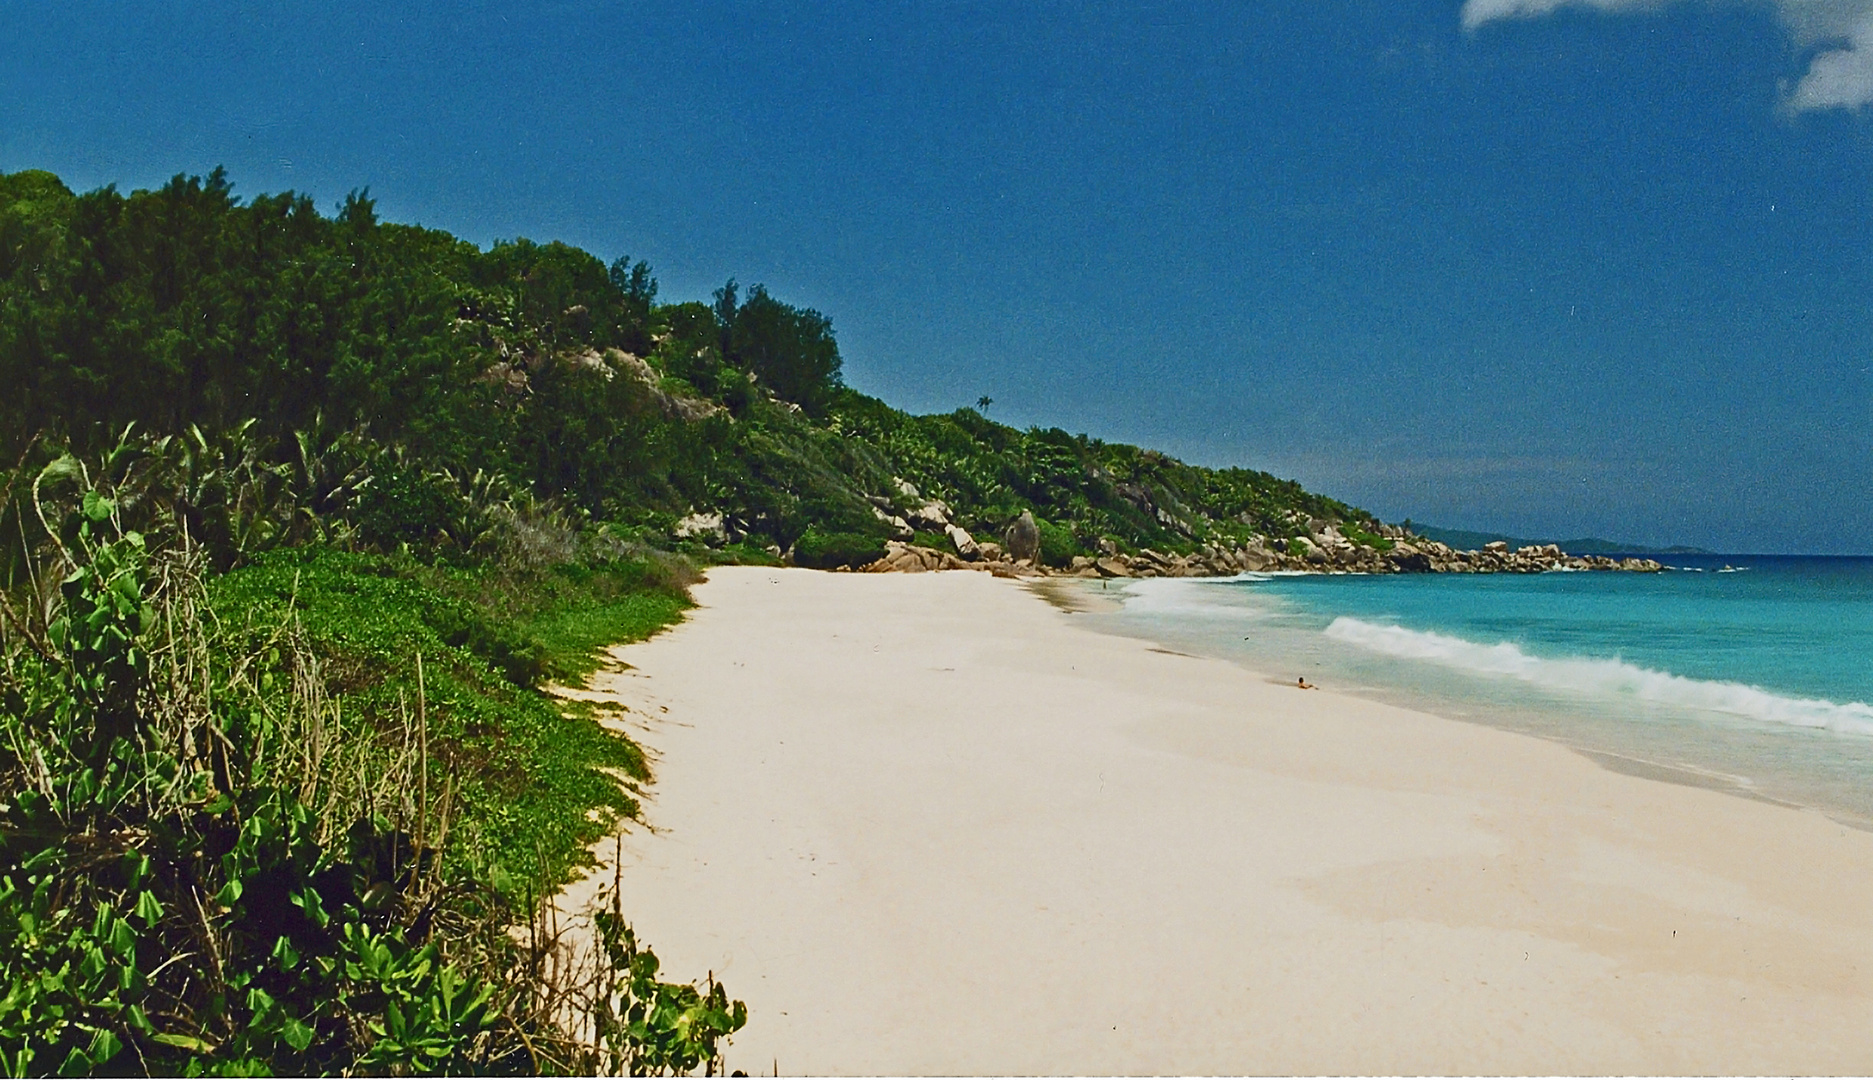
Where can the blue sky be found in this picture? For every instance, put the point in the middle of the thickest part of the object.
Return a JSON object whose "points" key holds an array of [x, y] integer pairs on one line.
{"points": [[1548, 268]]}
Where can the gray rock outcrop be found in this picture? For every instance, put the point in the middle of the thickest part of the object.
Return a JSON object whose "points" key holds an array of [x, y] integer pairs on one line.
{"points": [[933, 515], [1408, 559], [913, 559], [900, 529], [1024, 539], [708, 528]]}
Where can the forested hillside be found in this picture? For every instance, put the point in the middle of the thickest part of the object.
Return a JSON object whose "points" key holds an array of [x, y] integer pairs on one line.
{"points": [[301, 519], [536, 366]]}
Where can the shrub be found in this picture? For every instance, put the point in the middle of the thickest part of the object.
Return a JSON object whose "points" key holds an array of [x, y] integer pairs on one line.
{"points": [[208, 867], [403, 505], [1360, 536], [826, 550], [1058, 543], [157, 818]]}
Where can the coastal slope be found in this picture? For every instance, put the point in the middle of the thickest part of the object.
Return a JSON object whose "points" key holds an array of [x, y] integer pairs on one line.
{"points": [[926, 824]]}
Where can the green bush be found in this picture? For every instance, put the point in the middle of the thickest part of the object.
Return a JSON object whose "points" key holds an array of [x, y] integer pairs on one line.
{"points": [[209, 867], [147, 824], [527, 772], [791, 350], [742, 554], [650, 1028], [1360, 536], [1058, 543], [827, 550], [405, 506]]}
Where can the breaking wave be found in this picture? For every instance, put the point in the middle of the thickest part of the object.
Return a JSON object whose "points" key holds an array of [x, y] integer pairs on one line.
{"points": [[1188, 597], [1606, 678]]}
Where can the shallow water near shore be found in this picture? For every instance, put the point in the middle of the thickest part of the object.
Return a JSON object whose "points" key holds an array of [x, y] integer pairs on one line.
{"points": [[1745, 673]]}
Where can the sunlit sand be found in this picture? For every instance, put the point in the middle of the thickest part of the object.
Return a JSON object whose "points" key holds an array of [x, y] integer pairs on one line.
{"points": [[926, 824]]}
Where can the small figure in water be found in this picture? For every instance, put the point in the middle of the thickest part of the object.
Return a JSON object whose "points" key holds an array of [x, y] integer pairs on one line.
{"points": [[1304, 684]]}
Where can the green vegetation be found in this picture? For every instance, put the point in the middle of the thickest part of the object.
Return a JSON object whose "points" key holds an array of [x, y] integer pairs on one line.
{"points": [[281, 818], [1358, 535], [527, 774], [1080, 489], [450, 374], [303, 514], [827, 550]]}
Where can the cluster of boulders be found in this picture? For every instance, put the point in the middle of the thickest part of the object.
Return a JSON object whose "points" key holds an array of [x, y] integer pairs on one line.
{"points": [[517, 366], [913, 558], [709, 527], [1496, 558], [1323, 549], [930, 515], [1318, 546]]}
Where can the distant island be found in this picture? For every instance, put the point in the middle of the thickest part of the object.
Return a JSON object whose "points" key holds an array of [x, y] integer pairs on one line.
{"points": [[1586, 545]]}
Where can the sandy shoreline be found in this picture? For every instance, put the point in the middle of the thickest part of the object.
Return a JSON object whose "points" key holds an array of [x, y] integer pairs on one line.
{"points": [[923, 823]]}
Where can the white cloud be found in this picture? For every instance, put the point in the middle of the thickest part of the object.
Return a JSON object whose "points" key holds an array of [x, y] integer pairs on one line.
{"points": [[1478, 12], [1839, 75]]}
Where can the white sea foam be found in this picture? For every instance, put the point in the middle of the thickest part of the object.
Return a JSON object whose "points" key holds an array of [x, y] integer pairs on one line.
{"points": [[1185, 597], [1602, 678]]}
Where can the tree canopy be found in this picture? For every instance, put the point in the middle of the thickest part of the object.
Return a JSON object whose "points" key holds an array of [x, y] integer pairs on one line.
{"points": [[188, 308]]}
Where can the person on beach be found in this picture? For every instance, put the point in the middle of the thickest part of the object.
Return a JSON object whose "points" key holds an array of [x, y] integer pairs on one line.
{"points": [[1304, 684]]}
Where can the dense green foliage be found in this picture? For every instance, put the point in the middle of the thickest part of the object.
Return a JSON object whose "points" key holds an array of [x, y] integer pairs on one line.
{"points": [[279, 819], [789, 350], [530, 366], [1080, 489], [171, 897], [185, 307], [827, 550], [526, 772]]}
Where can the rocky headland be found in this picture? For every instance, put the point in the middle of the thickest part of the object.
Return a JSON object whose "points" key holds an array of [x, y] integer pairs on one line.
{"points": [[1323, 548]]}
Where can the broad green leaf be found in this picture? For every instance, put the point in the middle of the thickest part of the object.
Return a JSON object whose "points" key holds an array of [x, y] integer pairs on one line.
{"points": [[104, 1046], [97, 507], [190, 1043], [123, 938]]}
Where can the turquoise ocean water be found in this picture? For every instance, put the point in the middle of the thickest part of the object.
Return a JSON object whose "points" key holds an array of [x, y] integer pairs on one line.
{"points": [[1750, 673]]}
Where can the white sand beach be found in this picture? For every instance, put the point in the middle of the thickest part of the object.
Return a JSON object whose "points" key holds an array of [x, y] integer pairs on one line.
{"points": [[924, 823]]}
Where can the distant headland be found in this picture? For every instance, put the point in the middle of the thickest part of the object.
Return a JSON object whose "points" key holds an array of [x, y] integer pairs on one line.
{"points": [[1585, 545]]}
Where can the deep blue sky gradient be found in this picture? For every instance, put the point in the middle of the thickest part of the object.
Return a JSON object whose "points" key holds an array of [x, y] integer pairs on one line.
{"points": [[1579, 274]]}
